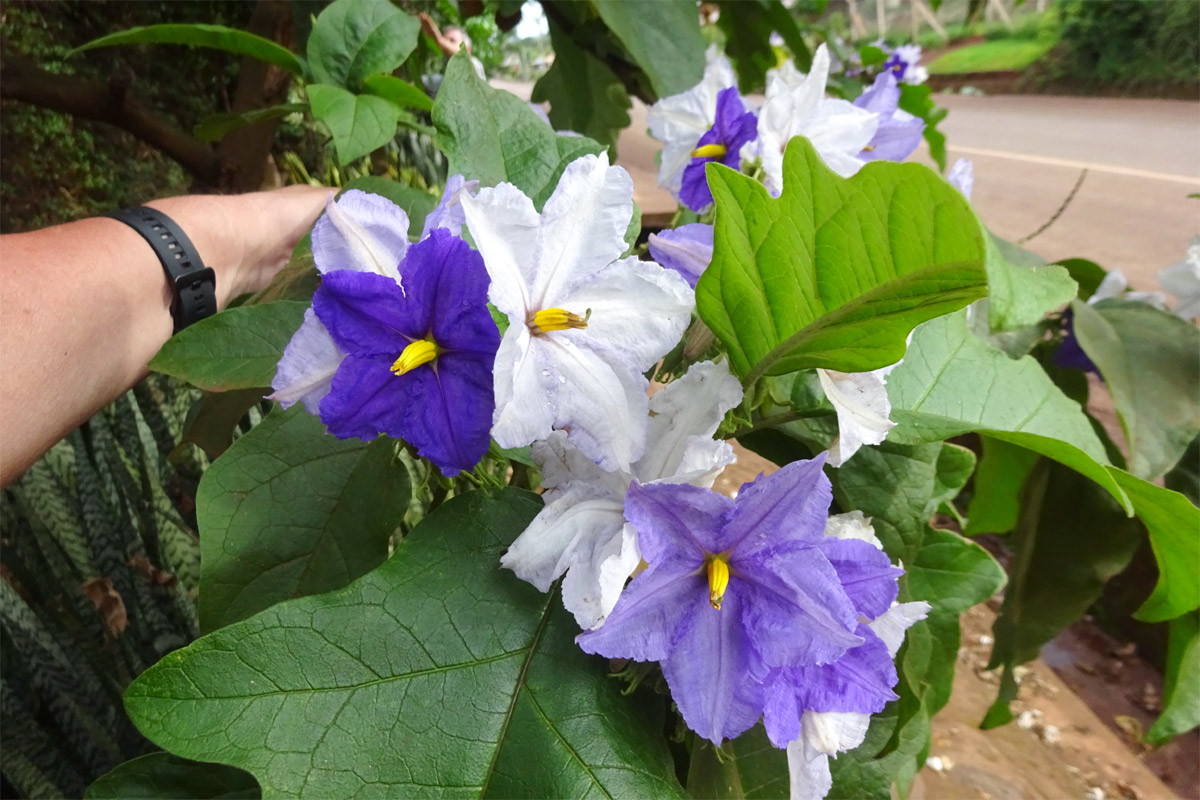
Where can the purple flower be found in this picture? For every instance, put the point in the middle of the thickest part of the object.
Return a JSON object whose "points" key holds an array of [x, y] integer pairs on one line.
{"points": [[739, 592], [733, 128], [1069, 354], [895, 65], [418, 362], [899, 132], [687, 249]]}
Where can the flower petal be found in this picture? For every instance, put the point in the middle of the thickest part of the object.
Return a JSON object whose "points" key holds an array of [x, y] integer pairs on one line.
{"points": [[962, 177], [852, 525], [860, 681], [688, 411], [834, 731], [713, 673], [448, 213], [890, 627], [524, 413], [639, 312], [597, 576], [861, 402], [562, 463], [450, 277], [364, 398], [687, 249], [808, 771], [363, 232], [680, 120], [676, 522], [306, 369], [865, 572], [369, 314], [785, 507], [545, 550], [583, 228], [653, 609], [507, 233], [447, 410]]}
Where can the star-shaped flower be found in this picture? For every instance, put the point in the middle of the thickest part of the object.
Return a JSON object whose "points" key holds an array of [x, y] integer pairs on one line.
{"points": [[680, 120], [735, 589], [734, 128], [584, 324], [1182, 279], [418, 360], [363, 232], [796, 106], [861, 402], [582, 529]]}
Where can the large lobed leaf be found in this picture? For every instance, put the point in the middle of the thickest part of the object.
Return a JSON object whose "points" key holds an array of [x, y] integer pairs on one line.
{"points": [[1181, 688], [1022, 287], [951, 383], [218, 37], [352, 39], [493, 136], [290, 511], [834, 273], [438, 673], [239, 348], [1150, 361]]}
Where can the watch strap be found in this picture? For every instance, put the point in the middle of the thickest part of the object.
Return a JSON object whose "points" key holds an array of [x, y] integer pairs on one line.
{"points": [[193, 285]]}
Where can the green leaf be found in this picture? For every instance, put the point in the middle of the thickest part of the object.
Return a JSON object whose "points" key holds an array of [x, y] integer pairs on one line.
{"points": [[494, 136], [951, 383], [416, 203], [996, 502], [834, 273], [352, 39], [1022, 287], [398, 91], [162, 776], [585, 95], [214, 128], [663, 37], [1071, 537], [231, 40], [212, 420], [747, 28], [290, 510], [1149, 362], [917, 99], [1172, 522], [236, 349], [1088, 274], [1181, 686], [438, 673], [359, 123]]}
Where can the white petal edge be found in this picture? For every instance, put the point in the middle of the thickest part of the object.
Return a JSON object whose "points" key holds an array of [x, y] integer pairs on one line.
{"points": [[507, 233], [861, 402], [688, 409], [361, 231], [305, 371], [891, 625], [852, 525]]}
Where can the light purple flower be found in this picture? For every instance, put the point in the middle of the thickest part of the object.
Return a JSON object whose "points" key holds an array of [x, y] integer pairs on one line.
{"points": [[962, 177], [687, 249], [899, 132], [448, 213], [734, 128], [736, 589]]}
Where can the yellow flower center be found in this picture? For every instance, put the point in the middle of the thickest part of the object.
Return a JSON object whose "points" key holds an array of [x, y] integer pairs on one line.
{"points": [[556, 319], [709, 151], [422, 351], [718, 580]]}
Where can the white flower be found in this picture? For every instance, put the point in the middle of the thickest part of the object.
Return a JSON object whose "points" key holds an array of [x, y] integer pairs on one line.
{"points": [[823, 734], [861, 402], [582, 529], [583, 325], [1183, 281], [796, 106], [680, 120]]}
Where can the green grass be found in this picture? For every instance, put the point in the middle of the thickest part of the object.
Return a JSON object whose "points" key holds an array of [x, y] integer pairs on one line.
{"points": [[994, 56]]}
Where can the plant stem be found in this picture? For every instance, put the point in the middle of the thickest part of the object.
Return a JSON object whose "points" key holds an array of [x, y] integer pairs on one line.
{"points": [[779, 419]]}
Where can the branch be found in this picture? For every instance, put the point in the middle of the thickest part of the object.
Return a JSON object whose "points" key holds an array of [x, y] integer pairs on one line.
{"points": [[21, 79]]}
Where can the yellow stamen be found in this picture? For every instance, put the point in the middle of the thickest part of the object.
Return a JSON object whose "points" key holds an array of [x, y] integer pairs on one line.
{"points": [[718, 580], [869, 148], [709, 151], [419, 352], [557, 319]]}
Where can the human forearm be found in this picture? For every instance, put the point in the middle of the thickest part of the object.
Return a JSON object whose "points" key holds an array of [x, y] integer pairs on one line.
{"points": [[85, 306]]}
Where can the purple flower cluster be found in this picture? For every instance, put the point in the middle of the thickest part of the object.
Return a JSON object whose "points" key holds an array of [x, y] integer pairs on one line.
{"points": [[751, 610]]}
